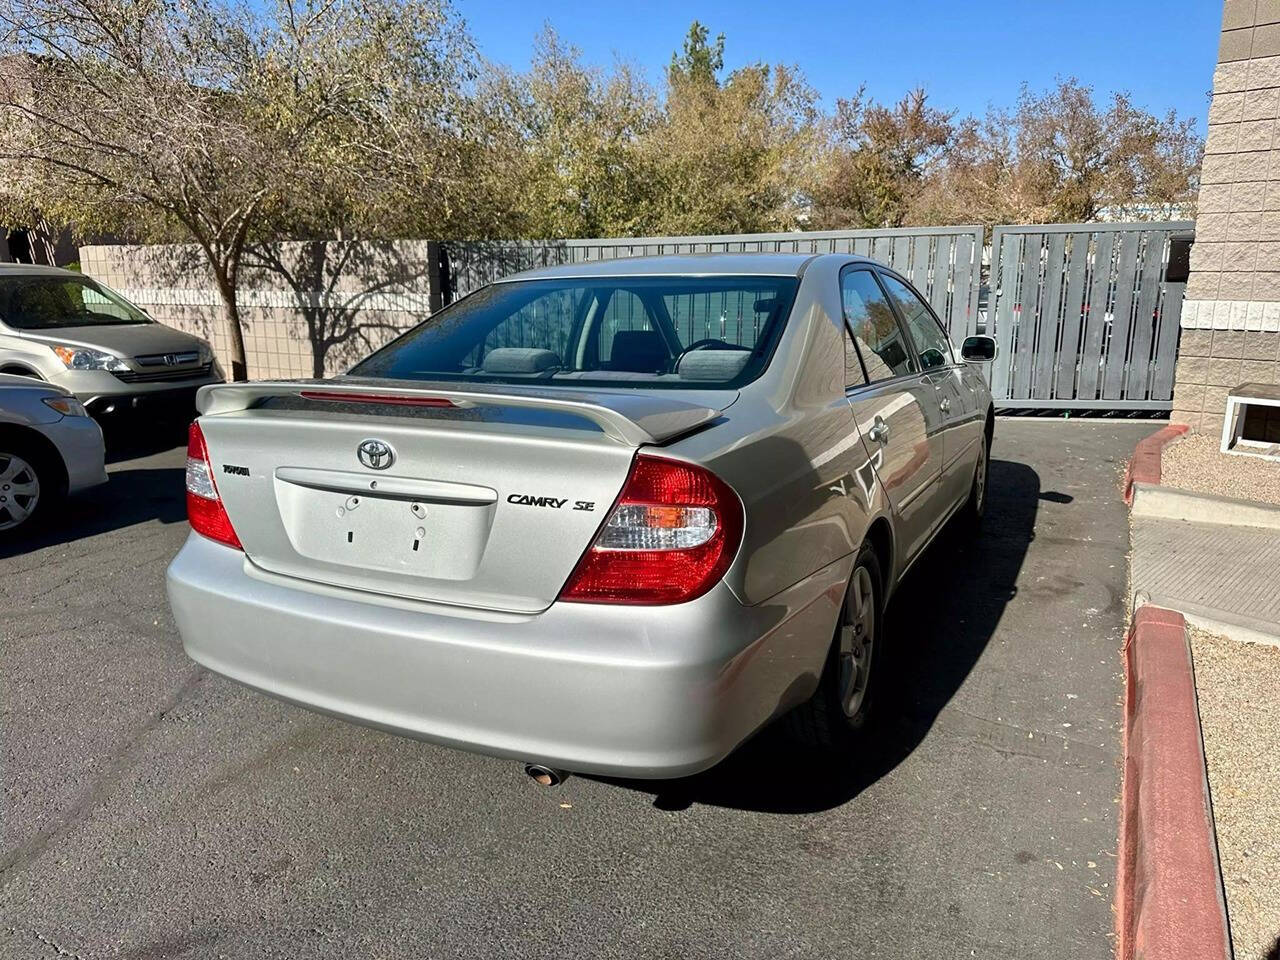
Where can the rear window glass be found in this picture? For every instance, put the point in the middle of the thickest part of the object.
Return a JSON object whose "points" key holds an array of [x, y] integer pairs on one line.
{"points": [[681, 332]]}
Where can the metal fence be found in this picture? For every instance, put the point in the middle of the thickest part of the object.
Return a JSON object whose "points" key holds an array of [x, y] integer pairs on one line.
{"points": [[943, 263], [1084, 315]]}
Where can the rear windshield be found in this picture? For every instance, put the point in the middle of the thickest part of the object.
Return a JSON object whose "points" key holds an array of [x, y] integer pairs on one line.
{"points": [[601, 331], [46, 303]]}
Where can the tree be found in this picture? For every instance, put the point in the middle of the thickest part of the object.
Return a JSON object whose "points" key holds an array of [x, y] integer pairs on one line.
{"points": [[194, 119], [588, 152], [698, 61], [731, 156], [1060, 157], [879, 160], [564, 136]]}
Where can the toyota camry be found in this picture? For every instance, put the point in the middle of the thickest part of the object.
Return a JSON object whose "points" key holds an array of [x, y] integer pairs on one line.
{"points": [[609, 517]]}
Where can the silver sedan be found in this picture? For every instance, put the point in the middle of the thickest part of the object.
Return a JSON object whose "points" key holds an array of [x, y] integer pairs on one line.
{"points": [[609, 517], [49, 447]]}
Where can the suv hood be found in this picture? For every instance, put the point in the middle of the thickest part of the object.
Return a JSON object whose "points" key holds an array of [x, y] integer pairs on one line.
{"points": [[126, 340]]}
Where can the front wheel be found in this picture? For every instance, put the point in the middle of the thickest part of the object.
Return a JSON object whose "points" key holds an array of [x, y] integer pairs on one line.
{"points": [[838, 713], [22, 493]]}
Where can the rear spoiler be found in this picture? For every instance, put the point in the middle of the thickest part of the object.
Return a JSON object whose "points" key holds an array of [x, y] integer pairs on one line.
{"points": [[630, 418]]}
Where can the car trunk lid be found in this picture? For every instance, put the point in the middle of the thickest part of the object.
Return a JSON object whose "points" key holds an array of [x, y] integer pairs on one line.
{"points": [[476, 495]]}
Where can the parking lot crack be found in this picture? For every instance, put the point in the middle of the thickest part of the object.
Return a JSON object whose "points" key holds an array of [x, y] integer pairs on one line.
{"points": [[56, 947], [14, 861], [1013, 740]]}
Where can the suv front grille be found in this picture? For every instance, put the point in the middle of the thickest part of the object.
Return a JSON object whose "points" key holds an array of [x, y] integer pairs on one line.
{"points": [[161, 374]]}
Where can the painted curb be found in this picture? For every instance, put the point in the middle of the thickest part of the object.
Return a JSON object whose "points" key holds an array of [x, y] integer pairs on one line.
{"points": [[1169, 898], [1170, 503], [1144, 465]]}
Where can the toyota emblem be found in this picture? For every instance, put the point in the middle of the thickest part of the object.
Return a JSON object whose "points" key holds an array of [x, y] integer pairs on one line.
{"points": [[375, 454]]}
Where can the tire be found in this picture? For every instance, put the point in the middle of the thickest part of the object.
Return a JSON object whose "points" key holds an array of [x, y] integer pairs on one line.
{"points": [[27, 487], [976, 506], [838, 714]]}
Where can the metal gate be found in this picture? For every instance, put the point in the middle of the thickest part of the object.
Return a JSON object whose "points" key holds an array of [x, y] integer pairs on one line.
{"points": [[1084, 315], [943, 263]]}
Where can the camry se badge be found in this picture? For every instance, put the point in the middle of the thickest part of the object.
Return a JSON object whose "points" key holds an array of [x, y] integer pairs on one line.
{"points": [[375, 454]]}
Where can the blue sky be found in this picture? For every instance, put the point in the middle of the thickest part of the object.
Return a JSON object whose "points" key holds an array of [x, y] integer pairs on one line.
{"points": [[966, 54]]}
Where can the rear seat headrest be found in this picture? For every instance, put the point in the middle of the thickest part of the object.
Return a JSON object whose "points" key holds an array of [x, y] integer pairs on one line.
{"points": [[712, 364], [519, 360]]}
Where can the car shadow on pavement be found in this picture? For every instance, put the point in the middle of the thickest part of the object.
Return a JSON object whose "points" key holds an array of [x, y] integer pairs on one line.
{"points": [[132, 495], [939, 621], [127, 440]]}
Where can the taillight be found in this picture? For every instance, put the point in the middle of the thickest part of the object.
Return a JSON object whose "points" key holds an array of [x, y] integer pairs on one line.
{"points": [[205, 512], [670, 537]]}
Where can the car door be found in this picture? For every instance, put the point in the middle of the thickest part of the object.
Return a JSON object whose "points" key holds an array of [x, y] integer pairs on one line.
{"points": [[896, 408], [962, 421]]}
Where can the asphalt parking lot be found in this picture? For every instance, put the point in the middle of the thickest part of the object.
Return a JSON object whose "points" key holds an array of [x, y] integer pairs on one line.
{"points": [[151, 809]]}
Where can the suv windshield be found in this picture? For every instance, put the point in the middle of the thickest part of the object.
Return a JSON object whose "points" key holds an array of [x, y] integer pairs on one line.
{"points": [[48, 302], [598, 331]]}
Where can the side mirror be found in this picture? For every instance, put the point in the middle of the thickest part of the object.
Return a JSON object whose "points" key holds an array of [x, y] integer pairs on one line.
{"points": [[978, 349]]}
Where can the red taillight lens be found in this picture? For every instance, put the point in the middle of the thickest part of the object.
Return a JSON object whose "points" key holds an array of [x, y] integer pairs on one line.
{"points": [[205, 512], [669, 538]]}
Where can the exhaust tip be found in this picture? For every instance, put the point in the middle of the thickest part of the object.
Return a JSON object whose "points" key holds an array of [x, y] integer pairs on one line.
{"points": [[544, 776]]}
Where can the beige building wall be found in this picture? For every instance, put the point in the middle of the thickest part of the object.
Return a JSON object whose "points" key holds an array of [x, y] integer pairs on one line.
{"points": [[1231, 317], [356, 300]]}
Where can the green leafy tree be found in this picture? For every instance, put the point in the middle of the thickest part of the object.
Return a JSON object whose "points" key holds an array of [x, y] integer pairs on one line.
{"points": [[732, 156], [699, 61], [564, 136]]}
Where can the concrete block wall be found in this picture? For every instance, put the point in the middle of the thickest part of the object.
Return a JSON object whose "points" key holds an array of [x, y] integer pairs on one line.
{"points": [[360, 299], [1231, 316]]}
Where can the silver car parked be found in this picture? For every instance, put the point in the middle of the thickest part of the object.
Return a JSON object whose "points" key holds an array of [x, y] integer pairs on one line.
{"points": [[608, 517], [68, 329], [49, 447]]}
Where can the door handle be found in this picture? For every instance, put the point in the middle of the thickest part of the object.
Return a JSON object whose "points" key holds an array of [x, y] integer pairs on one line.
{"points": [[945, 404], [879, 432]]}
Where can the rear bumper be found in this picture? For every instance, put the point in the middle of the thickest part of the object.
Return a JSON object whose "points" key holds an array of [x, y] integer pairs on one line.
{"points": [[621, 691]]}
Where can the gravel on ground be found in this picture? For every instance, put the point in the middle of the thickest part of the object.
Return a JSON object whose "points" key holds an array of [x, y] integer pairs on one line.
{"points": [[1196, 463], [1239, 689]]}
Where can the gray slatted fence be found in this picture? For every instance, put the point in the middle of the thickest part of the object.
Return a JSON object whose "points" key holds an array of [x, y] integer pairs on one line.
{"points": [[1084, 316], [943, 263]]}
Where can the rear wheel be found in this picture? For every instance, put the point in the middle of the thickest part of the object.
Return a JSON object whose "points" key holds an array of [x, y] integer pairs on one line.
{"points": [[976, 505], [25, 487], [839, 711]]}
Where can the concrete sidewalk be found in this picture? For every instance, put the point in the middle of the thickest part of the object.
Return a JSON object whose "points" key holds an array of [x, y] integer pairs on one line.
{"points": [[1220, 575]]}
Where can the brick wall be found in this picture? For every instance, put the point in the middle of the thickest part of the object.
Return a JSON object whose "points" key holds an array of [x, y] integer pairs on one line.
{"points": [[343, 301], [1231, 317]]}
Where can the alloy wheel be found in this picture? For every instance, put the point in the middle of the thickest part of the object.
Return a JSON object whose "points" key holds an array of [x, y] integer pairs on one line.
{"points": [[980, 481], [857, 633], [19, 490]]}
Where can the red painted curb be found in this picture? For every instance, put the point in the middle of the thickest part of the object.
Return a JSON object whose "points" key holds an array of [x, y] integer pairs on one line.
{"points": [[1169, 900], [1144, 465]]}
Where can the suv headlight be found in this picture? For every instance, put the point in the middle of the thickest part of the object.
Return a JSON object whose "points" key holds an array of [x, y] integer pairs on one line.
{"points": [[82, 358], [206, 353]]}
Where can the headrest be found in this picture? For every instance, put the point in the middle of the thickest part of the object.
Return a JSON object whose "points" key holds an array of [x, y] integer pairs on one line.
{"points": [[519, 360], [712, 364]]}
